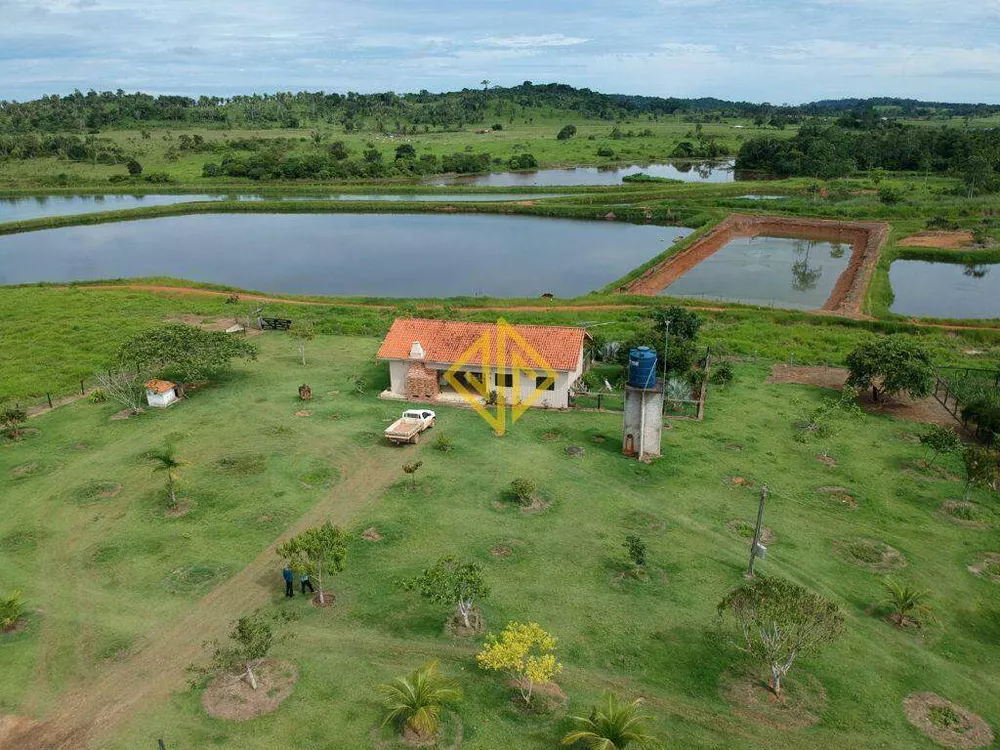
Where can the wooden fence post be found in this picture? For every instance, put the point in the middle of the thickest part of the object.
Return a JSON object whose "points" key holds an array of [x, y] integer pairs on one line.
{"points": [[49, 397]]}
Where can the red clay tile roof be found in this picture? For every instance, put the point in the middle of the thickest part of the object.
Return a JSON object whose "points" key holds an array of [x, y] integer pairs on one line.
{"points": [[160, 386], [446, 341]]}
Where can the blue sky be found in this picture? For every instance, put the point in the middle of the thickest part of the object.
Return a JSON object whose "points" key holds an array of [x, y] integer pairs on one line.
{"points": [[761, 50]]}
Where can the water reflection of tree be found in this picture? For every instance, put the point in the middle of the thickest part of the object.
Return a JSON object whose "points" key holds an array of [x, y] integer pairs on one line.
{"points": [[976, 270], [804, 276], [836, 250]]}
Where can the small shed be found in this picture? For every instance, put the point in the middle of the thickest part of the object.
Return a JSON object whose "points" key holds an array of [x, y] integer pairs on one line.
{"points": [[161, 393]]}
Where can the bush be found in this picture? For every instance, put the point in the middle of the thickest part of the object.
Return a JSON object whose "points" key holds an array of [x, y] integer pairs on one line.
{"points": [[697, 379], [496, 126], [605, 151], [134, 168], [567, 132], [158, 177], [636, 549], [524, 490], [523, 161], [443, 443], [890, 195], [11, 609], [722, 374], [98, 396]]}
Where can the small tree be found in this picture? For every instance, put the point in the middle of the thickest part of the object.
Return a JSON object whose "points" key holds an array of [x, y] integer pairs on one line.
{"points": [[134, 168], [452, 582], [165, 459], [980, 468], [414, 702], [636, 549], [889, 365], [411, 470], [524, 490], [317, 549], [302, 333], [11, 610], [252, 637], [182, 351], [940, 440], [12, 417], [905, 602], [614, 725], [567, 132], [525, 652], [779, 621], [681, 323]]}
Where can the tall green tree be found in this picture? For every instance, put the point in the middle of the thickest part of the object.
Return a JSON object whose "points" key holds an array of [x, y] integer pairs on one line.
{"points": [[780, 621], [321, 548], [889, 365], [451, 581], [182, 352]]}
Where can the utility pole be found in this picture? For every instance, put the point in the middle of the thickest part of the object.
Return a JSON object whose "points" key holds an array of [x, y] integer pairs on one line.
{"points": [[756, 531]]}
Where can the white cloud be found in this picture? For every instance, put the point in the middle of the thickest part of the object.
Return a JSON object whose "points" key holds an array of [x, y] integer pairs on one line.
{"points": [[524, 41]]}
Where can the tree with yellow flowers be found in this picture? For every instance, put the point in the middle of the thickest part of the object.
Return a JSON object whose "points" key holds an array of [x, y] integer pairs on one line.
{"points": [[524, 651]]}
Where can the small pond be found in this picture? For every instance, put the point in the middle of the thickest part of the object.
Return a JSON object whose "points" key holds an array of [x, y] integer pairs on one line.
{"points": [[945, 290], [686, 171], [771, 271], [398, 255], [35, 207]]}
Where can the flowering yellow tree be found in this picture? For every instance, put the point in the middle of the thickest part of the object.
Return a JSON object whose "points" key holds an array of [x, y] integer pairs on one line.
{"points": [[524, 651]]}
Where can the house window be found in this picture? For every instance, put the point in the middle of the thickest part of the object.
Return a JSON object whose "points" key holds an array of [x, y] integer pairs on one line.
{"points": [[545, 383], [504, 380]]}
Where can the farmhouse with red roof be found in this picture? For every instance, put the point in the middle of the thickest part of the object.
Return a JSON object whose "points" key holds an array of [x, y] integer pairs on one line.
{"points": [[420, 352]]}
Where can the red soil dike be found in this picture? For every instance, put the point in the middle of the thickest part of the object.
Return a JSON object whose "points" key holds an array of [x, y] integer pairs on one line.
{"points": [[866, 239]]}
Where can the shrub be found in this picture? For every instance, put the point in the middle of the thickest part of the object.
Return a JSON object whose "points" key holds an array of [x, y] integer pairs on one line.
{"points": [[415, 702], [636, 549], [443, 443], [890, 195], [605, 151], [158, 177], [11, 609], [496, 126], [524, 490], [697, 379], [134, 168], [567, 132], [722, 374], [98, 396]]}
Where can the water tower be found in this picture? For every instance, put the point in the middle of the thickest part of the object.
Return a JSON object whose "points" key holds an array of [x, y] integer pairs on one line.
{"points": [[643, 406]]}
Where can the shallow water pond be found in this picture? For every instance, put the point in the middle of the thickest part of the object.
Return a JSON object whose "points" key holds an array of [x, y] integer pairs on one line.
{"points": [[945, 290], [686, 171], [23, 208], [772, 271], [398, 255]]}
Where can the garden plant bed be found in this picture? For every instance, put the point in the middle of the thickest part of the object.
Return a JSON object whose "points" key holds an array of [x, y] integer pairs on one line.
{"points": [[965, 513], [848, 293], [230, 697], [946, 723], [872, 554]]}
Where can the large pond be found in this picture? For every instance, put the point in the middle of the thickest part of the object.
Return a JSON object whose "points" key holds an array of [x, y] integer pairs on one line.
{"points": [[397, 255], [35, 207], [945, 290], [686, 171], [772, 271]]}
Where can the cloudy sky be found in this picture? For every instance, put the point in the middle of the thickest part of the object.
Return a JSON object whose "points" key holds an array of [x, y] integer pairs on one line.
{"points": [[761, 50]]}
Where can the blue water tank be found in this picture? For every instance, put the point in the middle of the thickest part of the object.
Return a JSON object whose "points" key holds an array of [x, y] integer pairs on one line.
{"points": [[642, 367]]}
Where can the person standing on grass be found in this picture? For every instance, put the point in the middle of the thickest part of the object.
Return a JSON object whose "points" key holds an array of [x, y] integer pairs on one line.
{"points": [[304, 580], [289, 582]]}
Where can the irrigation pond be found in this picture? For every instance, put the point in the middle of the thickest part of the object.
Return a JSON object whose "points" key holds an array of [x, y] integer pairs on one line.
{"points": [[945, 290], [685, 171]]}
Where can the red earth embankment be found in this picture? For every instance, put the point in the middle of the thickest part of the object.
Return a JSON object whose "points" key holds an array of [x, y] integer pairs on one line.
{"points": [[866, 240]]}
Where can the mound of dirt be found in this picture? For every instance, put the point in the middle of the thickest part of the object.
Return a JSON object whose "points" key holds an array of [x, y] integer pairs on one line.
{"points": [[545, 697], [328, 599], [968, 514], [738, 481], [745, 529], [946, 723], [987, 566], [840, 494], [231, 697], [941, 239], [303, 413], [501, 550], [872, 554], [371, 534], [457, 627], [801, 703]]}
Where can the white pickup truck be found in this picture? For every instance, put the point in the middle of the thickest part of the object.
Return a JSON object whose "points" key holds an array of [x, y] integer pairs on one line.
{"points": [[408, 427]]}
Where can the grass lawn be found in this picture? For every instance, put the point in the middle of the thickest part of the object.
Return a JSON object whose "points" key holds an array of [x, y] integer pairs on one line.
{"points": [[122, 594]]}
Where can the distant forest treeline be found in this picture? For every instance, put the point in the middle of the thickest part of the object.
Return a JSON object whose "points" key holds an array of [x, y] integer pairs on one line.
{"points": [[395, 112]]}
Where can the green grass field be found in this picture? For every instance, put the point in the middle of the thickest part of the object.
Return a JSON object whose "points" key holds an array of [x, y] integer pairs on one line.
{"points": [[121, 594]]}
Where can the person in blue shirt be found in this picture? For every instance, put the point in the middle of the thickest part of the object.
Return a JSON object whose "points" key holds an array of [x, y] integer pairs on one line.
{"points": [[289, 581], [306, 583]]}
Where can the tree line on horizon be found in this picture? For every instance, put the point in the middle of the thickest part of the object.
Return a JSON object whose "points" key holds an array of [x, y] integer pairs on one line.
{"points": [[394, 112]]}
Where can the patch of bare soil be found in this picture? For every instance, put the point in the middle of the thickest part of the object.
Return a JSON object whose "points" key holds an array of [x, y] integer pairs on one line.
{"points": [[24, 470], [13, 727], [18, 626], [987, 566], [964, 513], [941, 239], [946, 723], [872, 554], [926, 410], [212, 324], [840, 494], [501, 550], [178, 510], [371, 534], [823, 377], [328, 599], [745, 529], [124, 414], [545, 697], [922, 469], [455, 626], [734, 447], [737, 481], [801, 703], [828, 460], [303, 413], [537, 505], [231, 697], [643, 521], [107, 490]]}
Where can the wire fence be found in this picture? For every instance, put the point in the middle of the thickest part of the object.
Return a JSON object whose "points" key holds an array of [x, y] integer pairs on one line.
{"points": [[957, 388]]}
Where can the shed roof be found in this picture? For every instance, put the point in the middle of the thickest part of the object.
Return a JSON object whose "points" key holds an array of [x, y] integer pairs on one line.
{"points": [[160, 386], [446, 341]]}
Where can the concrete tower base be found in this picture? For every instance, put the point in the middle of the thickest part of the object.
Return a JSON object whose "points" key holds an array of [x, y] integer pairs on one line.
{"points": [[643, 419]]}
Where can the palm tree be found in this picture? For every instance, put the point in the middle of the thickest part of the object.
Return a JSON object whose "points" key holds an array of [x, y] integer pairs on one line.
{"points": [[905, 602], [612, 726], [165, 459], [415, 702]]}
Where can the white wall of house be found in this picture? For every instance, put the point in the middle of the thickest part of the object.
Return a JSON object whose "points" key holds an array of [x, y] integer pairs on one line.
{"points": [[557, 398], [160, 400]]}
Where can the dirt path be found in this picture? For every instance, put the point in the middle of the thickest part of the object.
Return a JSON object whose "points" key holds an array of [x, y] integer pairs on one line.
{"points": [[105, 702], [498, 308]]}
